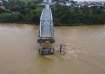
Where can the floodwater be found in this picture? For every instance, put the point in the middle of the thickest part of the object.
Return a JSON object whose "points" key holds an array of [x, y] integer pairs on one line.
{"points": [[84, 50]]}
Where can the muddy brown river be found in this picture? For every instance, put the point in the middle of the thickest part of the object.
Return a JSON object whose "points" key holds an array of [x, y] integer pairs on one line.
{"points": [[84, 50]]}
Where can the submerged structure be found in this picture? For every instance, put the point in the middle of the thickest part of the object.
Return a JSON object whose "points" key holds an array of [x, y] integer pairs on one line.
{"points": [[46, 31]]}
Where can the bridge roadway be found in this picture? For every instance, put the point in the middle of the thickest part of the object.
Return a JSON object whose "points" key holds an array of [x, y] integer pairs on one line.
{"points": [[46, 31]]}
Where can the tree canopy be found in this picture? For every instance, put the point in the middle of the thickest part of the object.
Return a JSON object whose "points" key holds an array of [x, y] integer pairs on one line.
{"points": [[29, 12]]}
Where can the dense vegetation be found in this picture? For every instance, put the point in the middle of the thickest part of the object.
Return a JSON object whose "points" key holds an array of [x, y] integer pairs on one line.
{"points": [[20, 11], [29, 12], [79, 15]]}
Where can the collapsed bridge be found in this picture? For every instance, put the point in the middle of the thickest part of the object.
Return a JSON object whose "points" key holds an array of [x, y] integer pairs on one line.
{"points": [[46, 31]]}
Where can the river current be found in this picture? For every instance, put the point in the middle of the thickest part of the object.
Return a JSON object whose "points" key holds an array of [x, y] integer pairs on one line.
{"points": [[84, 50]]}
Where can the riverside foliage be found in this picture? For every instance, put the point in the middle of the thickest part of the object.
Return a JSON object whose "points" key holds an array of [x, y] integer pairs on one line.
{"points": [[29, 12]]}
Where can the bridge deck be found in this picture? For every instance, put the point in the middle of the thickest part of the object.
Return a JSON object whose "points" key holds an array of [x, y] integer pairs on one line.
{"points": [[46, 31]]}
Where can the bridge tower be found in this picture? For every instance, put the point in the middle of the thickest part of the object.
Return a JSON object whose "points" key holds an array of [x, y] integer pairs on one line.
{"points": [[46, 31]]}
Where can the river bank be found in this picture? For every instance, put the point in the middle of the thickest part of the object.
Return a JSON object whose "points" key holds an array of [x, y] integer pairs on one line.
{"points": [[21, 23]]}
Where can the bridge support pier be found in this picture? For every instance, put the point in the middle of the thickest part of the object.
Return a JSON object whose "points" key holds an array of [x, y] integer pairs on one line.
{"points": [[46, 51], [46, 48]]}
